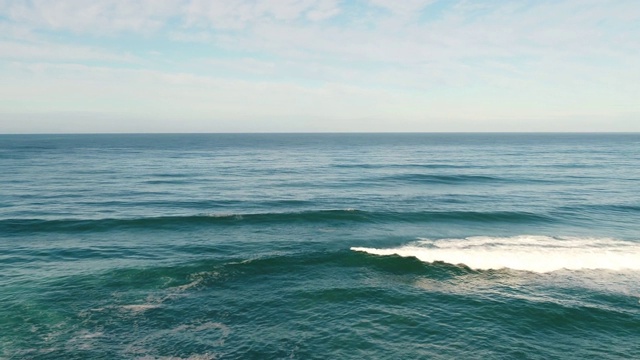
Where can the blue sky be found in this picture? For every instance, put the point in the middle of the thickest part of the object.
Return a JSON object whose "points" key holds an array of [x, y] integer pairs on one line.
{"points": [[319, 65]]}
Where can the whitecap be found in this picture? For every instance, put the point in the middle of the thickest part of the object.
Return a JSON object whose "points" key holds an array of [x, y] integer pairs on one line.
{"points": [[139, 307], [525, 252]]}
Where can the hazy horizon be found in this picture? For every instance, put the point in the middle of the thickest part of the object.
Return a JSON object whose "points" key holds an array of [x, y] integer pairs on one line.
{"points": [[325, 132]]}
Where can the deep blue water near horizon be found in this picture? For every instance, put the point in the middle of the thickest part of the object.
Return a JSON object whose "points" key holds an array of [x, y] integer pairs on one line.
{"points": [[320, 246]]}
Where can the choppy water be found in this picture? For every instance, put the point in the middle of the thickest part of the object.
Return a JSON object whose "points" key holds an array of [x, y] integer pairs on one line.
{"points": [[328, 246]]}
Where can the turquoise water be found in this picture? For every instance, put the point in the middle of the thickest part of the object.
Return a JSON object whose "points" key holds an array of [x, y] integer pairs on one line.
{"points": [[326, 246]]}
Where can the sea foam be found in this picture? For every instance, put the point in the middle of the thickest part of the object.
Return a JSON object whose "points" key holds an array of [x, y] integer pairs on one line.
{"points": [[530, 253]]}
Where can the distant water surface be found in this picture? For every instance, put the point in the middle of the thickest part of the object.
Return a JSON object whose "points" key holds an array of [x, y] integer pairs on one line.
{"points": [[320, 246]]}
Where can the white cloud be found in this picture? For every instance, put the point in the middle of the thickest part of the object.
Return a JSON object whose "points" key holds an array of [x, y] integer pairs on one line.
{"points": [[324, 10], [503, 32], [567, 27]]}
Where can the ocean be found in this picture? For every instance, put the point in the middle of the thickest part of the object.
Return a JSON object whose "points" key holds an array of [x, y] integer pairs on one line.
{"points": [[320, 246]]}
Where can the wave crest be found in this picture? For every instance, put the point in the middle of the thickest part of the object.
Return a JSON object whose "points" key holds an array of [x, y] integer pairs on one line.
{"points": [[344, 216], [530, 253]]}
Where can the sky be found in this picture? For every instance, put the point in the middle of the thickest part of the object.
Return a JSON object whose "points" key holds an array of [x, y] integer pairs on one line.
{"points": [[77, 66]]}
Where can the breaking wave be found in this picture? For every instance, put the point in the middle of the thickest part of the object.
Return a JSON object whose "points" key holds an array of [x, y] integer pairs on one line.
{"points": [[530, 253]]}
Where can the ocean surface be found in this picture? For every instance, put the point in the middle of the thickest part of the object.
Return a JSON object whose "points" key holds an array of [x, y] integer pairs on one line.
{"points": [[320, 246]]}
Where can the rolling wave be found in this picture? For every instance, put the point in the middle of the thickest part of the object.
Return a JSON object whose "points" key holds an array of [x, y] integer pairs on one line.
{"points": [[346, 216], [530, 253], [444, 179], [404, 166]]}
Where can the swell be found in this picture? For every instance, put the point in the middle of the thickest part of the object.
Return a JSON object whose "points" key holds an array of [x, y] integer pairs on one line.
{"points": [[245, 268], [456, 281], [603, 208], [348, 216], [225, 300], [403, 166], [443, 179]]}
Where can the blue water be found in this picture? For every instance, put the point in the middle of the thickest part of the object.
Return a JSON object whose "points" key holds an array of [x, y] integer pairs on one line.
{"points": [[320, 246]]}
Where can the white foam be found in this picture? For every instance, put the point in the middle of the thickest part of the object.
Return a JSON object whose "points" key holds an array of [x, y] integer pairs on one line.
{"points": [[140, 307], [187, 286], [531, 253], [226, 216]]}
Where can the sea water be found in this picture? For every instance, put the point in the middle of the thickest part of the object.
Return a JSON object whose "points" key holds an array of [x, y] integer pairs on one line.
{"points": [[320, 246]]}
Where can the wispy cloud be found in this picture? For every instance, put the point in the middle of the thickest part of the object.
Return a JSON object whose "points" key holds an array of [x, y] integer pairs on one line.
{"points": [[108, 16], [100, 16]]}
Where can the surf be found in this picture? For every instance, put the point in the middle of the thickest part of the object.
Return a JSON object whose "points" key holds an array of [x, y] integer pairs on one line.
{"points": [[540, 254]]}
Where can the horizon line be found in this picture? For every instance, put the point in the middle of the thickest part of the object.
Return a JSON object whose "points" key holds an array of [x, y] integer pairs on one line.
{"points": [[324, 132]]}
